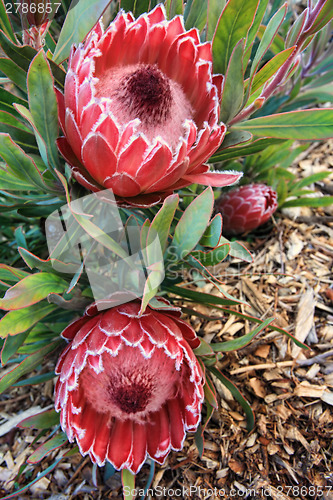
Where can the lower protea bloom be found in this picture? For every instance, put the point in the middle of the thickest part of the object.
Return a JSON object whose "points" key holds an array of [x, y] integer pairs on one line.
{"points": [[129, 386], [246, 207], [140, 110]]}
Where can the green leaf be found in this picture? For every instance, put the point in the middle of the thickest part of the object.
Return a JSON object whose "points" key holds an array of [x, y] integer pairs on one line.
{"points": [[81, 18], [9, 182], [268, 37], [214, 11], [25, 113], [10, 274], [240, 342], [37, 379], [43, 105], [261, 9], [212, 257], [6, 102], [5, 25], [161, 223], [27, 365], [43, 420], [324, 16], [195, 14], [174, 8], [193, 223], [20, 163], [32, 289], [212, 235], [320, 201], [234, 24], [9, 124], [14, 73], [233, 86], [247, 150], [202, 298], [20, 320], [128, 481], [296, 29], [312, 124], [237, 395], [270, 68], [237, 250], [11, 346], [44, 449]]}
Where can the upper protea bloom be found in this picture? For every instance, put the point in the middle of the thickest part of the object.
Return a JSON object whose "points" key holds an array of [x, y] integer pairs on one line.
{"points": [[246, 207], [129, 386], [140, 111]]}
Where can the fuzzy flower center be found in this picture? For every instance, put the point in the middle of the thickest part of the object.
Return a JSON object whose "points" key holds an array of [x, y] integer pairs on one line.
{"points": [[144, 92], [147, 94], [131, 386]]}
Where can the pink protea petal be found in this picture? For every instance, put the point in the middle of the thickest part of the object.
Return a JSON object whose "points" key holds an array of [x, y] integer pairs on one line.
{"points": [[129, 385], [107, 128], [73, 134], [120, 444], [71, 91], [98, 157], [139, 451], [102, 439], [216, 179], [177, 429], [157, 15], [61, 108], [89, 117], [123, 185], [132, 156]]}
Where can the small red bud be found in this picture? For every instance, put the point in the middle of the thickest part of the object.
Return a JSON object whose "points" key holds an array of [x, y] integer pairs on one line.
{"points": [[246, 207]]}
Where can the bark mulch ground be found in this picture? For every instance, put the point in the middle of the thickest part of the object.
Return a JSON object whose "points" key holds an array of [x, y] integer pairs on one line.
{"points": [[288, 455]]}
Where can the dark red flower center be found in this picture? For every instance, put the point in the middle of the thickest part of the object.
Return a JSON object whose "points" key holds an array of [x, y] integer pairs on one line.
{"points": [[147, 94], [131, 399]]}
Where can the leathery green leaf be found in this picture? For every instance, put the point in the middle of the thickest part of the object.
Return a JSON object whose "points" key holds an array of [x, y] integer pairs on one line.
{"points": [[32, 289], [234, 24], [20, 320], [43, 104], [81, 18], [42, 420], [44, 449], [128, 480], [311, 124], [233, 87], [20, 163], [193, 223], [27, 365]]}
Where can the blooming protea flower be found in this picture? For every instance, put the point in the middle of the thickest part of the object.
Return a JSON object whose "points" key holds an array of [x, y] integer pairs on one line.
{"points": [[246, 207], [140, 108], [129, 386]]}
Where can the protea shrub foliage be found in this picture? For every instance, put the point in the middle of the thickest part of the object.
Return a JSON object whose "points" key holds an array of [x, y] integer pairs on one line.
{"points": [[142, 109]]}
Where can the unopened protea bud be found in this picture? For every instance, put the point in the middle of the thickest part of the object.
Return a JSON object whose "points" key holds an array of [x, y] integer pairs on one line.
{"points": [[246, 207], [35, 18]]}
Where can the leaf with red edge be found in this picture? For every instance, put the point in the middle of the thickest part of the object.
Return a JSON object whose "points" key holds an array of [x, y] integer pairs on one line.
{"points": [[234, 24], [27, 365], [32, 289], [20, 320], [193, 223], [10, 274], [40, 421], [128, 480], [310, 124], [44, 449]]}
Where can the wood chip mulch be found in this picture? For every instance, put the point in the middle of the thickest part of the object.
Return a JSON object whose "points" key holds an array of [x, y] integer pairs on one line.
{"points": [[288, 455]]}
